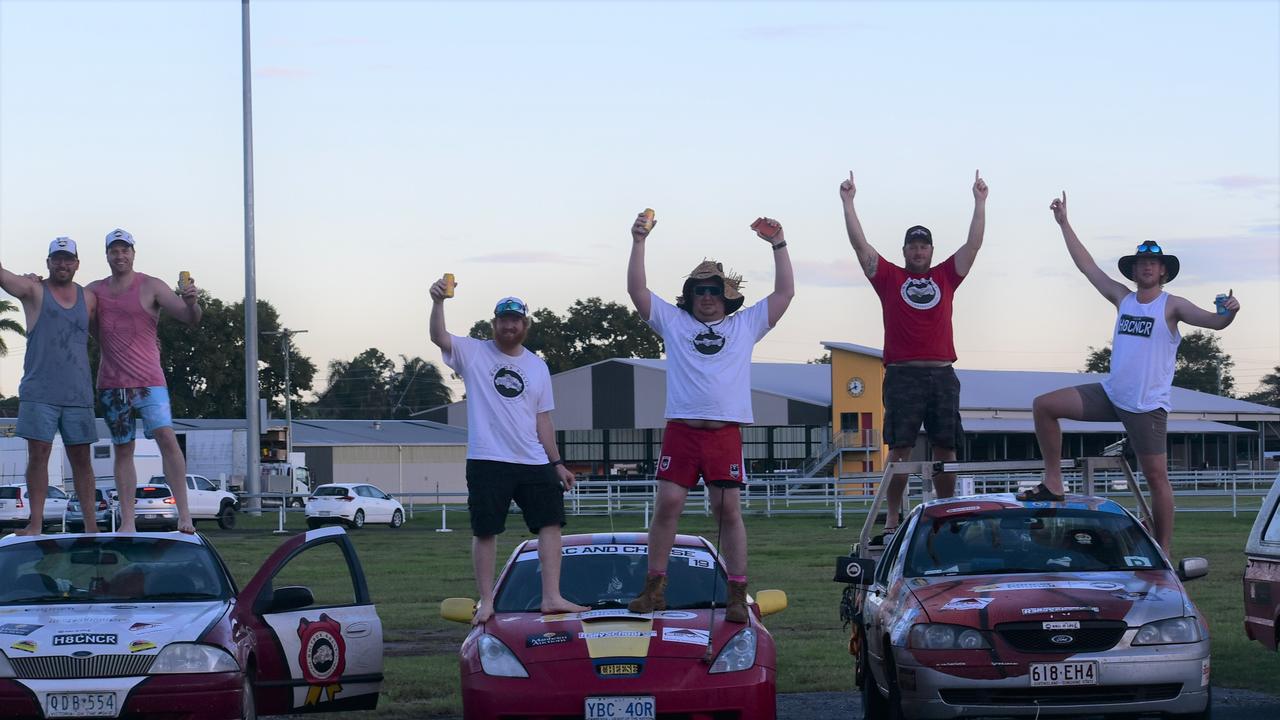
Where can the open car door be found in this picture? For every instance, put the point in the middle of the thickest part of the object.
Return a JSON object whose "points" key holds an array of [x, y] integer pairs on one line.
{"points": [[318, 639]]}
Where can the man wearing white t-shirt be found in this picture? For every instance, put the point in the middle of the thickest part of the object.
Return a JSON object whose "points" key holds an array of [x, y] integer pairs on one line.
{"points": [[511, 445], [1136, 392], [708, 345]]}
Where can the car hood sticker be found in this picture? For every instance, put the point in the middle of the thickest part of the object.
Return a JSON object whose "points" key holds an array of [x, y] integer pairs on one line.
{"points": [[99, 629], [1135, 597]]}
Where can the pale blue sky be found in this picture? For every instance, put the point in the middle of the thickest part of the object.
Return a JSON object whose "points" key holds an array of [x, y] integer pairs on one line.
{"points": [[513, 143]]}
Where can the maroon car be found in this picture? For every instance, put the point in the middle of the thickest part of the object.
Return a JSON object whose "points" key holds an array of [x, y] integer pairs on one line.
{"points": [[1262, 574]]}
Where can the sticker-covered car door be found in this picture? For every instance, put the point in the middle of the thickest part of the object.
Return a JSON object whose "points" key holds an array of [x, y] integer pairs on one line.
{"points": [[319, 639]]}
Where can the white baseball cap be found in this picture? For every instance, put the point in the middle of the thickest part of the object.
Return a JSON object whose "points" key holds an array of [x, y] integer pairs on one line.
{"points": [[63, 245], [119, 235]]}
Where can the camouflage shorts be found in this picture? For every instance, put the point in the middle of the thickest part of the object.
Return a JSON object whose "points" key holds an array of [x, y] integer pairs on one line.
{"points": [[921, 395]]}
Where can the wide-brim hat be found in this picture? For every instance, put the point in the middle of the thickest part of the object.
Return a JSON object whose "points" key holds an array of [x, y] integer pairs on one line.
{"points": [[1150, 249], [710, 269]]}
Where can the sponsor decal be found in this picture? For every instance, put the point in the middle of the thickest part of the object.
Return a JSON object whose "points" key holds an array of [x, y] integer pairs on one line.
{"points": [[664, 463], [1083, 538], [1137, 561], [968, 603], [1061, 625], [1130, 596], [543, 639], [87, 620], [322, 657], [86, 638], [25, 646], [141, 645], [508, 381], [734, 471], [594, 615], [921, 293], [18, 628], [920, 582], [1064, 561], [619, 669], [609, 634], [966, 508], [1204, 672], [709, 342], [1059, 609], [142, 628], [1050, 585], [1136, 325], [696, 558], [675, 615], [853, 570], [688, 636]]}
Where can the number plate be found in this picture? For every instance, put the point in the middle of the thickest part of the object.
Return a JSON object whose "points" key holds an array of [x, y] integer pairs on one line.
{"points": [[1059, 674], [324, 513], [81, 704], [620, 708]]}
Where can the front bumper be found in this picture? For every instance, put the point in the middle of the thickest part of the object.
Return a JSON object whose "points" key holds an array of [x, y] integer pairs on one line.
{"points": [[1161, 678], [680, 687], [214, 696]]}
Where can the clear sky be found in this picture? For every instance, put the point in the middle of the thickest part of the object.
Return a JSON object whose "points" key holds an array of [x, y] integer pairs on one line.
{"points": [[513, 143]]}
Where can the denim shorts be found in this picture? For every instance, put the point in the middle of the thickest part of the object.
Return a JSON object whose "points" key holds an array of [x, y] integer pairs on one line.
{"points": [[39, 421], [152, 403]]}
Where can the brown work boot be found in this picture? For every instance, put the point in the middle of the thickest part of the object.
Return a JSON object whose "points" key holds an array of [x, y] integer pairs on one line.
{"points": [[654, 596], [736, 610]]}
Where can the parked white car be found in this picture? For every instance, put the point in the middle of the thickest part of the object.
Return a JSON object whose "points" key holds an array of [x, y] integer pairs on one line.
{"points": [[352, 504], [206, 501], [15, 506]]}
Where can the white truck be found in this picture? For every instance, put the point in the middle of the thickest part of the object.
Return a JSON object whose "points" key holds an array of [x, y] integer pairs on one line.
{"points": [[290, 478]]}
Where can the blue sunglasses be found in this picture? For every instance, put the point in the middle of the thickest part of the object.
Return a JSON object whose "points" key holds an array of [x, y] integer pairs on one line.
{"points": [[1148, 248]]}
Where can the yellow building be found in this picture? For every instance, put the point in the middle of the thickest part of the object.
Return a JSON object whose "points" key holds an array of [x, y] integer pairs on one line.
{"points": [[857, 413]]}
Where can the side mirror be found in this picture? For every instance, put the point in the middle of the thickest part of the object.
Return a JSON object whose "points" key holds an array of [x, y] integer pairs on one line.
{"points": [[1192, 568], [771, 601], [290, 597], [854, 570], [458, 610]]}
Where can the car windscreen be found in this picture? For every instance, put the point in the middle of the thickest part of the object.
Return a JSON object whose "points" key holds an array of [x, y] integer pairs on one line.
{"points": [[1029, 540], [330, 490], [109, 569], [610, 575], [9, 492]]}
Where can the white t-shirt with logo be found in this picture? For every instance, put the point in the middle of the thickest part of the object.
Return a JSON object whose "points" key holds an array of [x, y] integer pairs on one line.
{"points": [[709, 365], [504, 396]]}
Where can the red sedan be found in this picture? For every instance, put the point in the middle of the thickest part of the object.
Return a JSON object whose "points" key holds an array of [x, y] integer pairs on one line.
{"points": [[684, 662]]}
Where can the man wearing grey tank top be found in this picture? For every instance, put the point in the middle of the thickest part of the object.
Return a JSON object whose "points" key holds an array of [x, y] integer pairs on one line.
{"points": [[56, 394]]}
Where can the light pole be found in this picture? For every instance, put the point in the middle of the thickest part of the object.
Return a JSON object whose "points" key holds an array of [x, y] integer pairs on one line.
{"points": [[286, 338]]}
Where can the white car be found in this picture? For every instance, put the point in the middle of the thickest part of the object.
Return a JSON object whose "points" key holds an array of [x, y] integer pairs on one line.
{"points": [[206, 501], [15, 506], [353, 504]]}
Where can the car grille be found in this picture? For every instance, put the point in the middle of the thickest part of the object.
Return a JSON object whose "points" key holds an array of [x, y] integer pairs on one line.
{"points": [[67, 668], [1090, 695], [1092, 636]]}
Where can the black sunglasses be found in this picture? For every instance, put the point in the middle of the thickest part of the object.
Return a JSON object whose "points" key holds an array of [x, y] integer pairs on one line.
{"points": [[1148, 248], [711, 290]]}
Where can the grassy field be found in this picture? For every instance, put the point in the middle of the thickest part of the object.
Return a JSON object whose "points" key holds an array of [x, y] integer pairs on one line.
{"points": [[410, 570]]}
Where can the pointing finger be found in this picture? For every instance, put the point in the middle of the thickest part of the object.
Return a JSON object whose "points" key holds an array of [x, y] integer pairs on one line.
{"points": [[976, 177]]}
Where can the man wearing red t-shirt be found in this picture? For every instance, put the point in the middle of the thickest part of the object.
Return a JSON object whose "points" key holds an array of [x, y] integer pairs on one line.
{"points": [[920, 385]]}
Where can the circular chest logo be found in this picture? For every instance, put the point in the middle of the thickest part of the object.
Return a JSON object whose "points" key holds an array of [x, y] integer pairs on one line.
{"points": [[921, 293], [508, 382], [708, 342]]}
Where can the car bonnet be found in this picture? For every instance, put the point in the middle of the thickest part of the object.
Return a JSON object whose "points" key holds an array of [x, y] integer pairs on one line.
{"points": [[102, 629], [612, 633]]}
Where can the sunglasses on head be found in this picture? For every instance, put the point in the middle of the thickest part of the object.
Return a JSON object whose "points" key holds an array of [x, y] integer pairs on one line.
{"points": [[712, 290], [1148, 248]]}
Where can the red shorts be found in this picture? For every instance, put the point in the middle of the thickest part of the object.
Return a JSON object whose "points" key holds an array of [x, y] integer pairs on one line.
{"points": [[689, 453]]}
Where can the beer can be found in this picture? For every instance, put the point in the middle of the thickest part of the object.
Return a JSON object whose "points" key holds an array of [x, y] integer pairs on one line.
{"points": [[1220, 302], [448, 285], [648, 218], [184, 280]]}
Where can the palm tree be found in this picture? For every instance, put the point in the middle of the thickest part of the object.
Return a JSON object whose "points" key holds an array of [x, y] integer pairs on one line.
{"points": [[7, 324]]}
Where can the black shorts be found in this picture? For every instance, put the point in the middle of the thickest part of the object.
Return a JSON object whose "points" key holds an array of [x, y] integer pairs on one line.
{"points": [[492, 485], [916, 395]]}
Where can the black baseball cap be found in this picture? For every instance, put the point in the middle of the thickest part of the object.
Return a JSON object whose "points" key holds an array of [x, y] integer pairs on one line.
{"points": [[918, 233]]}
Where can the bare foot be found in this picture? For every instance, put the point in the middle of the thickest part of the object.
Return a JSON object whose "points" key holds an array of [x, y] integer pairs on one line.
{"points": [[126, 528], [560, 605], [186, 526], [484, 612], [29, 531]]}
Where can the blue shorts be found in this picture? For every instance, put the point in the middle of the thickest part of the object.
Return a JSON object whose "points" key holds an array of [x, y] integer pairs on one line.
{"points": [[152, 403], [39, 421]]}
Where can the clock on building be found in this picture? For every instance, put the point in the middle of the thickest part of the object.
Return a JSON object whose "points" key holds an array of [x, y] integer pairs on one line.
{"points": [[856, 387]]}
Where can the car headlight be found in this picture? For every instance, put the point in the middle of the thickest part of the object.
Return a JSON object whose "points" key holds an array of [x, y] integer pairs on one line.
{"points": [[1169, 632], [497, 659], [737, 654], [6, 669], [193, 658], [936, 636]]}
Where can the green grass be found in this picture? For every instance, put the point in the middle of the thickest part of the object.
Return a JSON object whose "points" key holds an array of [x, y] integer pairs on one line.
{"points": [[411, 569]]}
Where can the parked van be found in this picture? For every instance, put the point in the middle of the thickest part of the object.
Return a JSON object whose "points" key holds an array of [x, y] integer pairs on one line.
{"points": [[1262, 573]]}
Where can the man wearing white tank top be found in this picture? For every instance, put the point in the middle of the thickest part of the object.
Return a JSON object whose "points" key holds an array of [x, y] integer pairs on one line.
{"points": [[1143, 354]]}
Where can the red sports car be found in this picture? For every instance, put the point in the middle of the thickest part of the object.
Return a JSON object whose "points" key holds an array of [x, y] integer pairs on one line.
{"points": [[609, 662], [153, 626]]}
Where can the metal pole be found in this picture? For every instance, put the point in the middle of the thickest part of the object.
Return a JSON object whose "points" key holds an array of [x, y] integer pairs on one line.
{"points": [[252, 481], [646, 514]]}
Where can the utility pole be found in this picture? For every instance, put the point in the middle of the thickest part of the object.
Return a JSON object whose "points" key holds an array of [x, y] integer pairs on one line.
{"points": [[286, 342], [252, 482]]}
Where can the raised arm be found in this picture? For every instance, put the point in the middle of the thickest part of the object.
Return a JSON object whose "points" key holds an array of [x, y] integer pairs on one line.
{"points": [[19, 286], [1183, 310], [977, 227], [637, 283], [547, 438], [784, 283], [439, 335], [1109, 288], [867, 255], [184, 307]]}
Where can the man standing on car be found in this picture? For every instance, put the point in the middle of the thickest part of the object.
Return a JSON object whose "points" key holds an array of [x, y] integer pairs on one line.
{"points": [[56, 393], [708, 346], [129, 374], [1144, 350], [920, 386], [511, 444]]}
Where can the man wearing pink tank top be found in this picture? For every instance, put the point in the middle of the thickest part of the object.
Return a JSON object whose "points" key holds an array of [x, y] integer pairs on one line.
{"points": [[129, 375]]}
